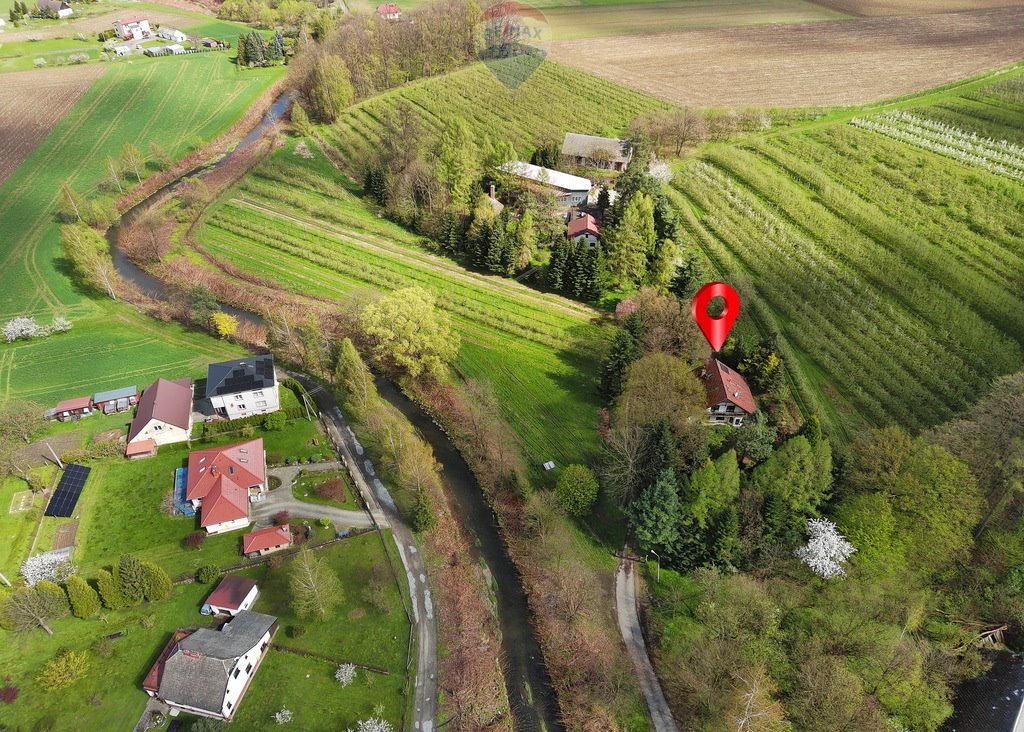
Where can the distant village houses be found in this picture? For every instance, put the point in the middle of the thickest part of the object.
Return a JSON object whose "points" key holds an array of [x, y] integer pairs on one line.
{"points": [[596, 152], [570, 190], [389, 11], [57, 7], [133, 29], [243, 387], [728, 396]]}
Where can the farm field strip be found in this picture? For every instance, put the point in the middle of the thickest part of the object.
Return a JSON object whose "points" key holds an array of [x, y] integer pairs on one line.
{"points": [[283, 205], [996, 156], [985, 254], [827, 63], [850, 329], [31, 104], [884, 259], [474, 94], [354, 260]]}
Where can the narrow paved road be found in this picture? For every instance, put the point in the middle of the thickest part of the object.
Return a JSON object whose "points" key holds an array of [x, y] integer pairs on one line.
{"points": [[629, 624], [281, 500], [383, 511]]}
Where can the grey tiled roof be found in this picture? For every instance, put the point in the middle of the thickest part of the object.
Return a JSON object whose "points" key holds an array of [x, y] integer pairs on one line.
{"points": [[196, 673]]}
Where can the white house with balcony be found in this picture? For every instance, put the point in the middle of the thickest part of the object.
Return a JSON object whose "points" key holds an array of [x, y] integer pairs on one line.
{"points": [[243, 387]]}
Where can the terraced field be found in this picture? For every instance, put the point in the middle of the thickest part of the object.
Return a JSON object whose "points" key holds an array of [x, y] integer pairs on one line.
{"points": [[890, 257], [295, 223], [555, 99]]}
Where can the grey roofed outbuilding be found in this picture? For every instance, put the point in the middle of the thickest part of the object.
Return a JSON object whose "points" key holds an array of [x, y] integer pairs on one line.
{"points": [[242, 374], [125, 392], [196, 673], [590, 146]]}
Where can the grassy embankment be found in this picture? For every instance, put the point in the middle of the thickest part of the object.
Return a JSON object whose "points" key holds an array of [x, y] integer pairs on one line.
{"points": [[891, 270], [177, 103]]}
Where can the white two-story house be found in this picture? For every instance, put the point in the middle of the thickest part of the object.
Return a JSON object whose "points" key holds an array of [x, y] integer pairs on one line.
{"points": [[206, 671], [243, 387]]}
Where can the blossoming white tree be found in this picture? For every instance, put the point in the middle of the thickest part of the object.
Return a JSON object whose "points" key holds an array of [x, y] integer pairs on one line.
{"points": [[21, 327], [826, 551], [49, 567], [345, 674], [284, 716]]}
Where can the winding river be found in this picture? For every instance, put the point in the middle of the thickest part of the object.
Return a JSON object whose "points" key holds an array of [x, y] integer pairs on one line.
{"points": [[532, 699]]}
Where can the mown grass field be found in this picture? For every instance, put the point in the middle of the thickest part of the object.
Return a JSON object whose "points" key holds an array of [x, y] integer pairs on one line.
{"points": [[553, 100], [294, 221], [178, 103], [893, 270]]}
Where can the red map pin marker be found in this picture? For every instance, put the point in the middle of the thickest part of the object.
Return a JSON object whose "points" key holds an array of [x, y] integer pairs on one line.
{"points": [[716, 329]]}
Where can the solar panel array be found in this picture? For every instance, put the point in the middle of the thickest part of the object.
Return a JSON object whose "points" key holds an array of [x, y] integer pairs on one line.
{"points": [[65, 498], [248, 375]]}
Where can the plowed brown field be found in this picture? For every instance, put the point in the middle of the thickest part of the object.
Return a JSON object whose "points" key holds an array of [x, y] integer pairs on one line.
{"points": [[32, 102], [868, 8], [827, 63]]}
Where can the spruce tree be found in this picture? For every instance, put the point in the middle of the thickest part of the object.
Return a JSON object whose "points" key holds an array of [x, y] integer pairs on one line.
{"points": [[555, 276], [624, 351], [655, 516], [241, 58], [131, 579]]}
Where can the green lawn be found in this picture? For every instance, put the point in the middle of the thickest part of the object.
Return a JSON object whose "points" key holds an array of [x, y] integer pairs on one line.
{"points": [[304, 488], [110, 697]]}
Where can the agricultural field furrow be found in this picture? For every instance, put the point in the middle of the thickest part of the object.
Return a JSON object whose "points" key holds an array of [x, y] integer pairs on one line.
{"points": [[996, 156], [902, 278], [969, 240]]}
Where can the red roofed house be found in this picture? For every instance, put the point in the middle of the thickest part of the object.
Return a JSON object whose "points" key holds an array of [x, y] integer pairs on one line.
{"points": [[584, 229], [232, 595], [73, 409], [164, 414], [140, 449], [267, 541], [133, 29], [389, 11], [729, 398], [222, 481]]}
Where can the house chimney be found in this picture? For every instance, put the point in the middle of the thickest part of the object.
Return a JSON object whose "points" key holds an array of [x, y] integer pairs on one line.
{"points": [[492, 190]]}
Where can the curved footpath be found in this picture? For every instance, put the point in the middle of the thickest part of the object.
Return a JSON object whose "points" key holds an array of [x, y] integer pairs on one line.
{"points": [[629, 625], [383, 513]]}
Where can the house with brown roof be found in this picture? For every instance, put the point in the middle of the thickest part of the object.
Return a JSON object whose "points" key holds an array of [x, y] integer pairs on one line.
{"points": [[59, 8], [222, 481], [728, 396], [164, 414], [591, 151], [584, 230], [207, 672], [267, 541], [72, 410], [233, 594]]}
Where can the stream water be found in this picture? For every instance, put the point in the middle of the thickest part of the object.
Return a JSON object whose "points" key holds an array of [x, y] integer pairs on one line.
{"points": [[526, 678], [531, 697]]}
